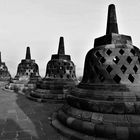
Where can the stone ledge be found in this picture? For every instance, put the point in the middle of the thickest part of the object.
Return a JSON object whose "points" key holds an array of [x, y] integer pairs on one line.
{"points": [[71, 134], [106, 131], [52, 100], [95, 117], [102, 106]]}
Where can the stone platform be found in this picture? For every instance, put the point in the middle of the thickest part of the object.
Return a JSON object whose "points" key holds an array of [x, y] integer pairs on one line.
{"points": [[23, 119], [41, 95]]}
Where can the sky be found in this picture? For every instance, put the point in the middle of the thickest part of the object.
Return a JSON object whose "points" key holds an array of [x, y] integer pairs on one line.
{"points": [[39, 24]]}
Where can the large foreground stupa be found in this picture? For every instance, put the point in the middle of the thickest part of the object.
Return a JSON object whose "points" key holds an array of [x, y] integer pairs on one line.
{"points": [[60, 75], [4, 73], [106, 104]]}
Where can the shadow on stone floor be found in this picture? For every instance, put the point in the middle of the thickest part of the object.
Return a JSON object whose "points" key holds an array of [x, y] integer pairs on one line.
{"points": [[35, 116], [10, 130]]}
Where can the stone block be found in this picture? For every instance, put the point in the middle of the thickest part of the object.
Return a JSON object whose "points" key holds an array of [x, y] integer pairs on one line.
{"points": [[122, 133]]}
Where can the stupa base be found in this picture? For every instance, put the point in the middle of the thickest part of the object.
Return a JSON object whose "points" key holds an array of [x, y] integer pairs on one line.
{"points": [[20, 87], [51, 90], [84, 125], [70, 133], [43, 95]]}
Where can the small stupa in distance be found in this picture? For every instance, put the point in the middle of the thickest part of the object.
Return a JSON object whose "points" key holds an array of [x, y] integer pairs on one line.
{"points": [[4, 73], [27, 73]]}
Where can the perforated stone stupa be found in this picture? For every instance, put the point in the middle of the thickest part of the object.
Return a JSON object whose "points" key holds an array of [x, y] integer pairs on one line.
{"points": [[4, 73], [28, 70], [106, 103], [60, 75]]}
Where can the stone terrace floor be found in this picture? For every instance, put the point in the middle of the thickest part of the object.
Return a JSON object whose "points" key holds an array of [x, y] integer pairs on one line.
{"points": [[23, 119]]}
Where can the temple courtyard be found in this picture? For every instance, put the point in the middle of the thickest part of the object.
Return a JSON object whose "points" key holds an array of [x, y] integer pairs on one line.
{"points": [[23, 119]]}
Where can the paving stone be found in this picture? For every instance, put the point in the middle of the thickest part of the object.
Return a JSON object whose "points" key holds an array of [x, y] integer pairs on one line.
{"points": [[23, 134], [22, 119], [26, 138], [1, 127], [9, 135], [21, 116], [11, 125], [12, 116]]}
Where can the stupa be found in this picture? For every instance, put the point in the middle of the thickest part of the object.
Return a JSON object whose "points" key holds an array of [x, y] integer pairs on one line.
{"points": [[106, 103], [4, 73], [27, 70], [60, 75], [27, 74]]}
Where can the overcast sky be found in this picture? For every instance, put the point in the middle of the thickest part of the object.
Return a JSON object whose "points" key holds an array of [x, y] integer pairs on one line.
{"points": [[40, 23]]}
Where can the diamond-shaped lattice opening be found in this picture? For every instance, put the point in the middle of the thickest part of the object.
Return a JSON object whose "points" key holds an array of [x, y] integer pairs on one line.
{"points": [[131, 78], [109, 69], [123, 68], [108, 52], [101, 77], [116, 59], [98, 54], [102, 60], [129, 59], [135, 68], [132, 51], [117, 79], [121, 51]]}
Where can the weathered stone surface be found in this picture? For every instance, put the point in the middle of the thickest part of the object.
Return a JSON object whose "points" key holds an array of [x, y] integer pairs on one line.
{"points": [[60, 76], [106, 104], [60, 66], [22, 119]]}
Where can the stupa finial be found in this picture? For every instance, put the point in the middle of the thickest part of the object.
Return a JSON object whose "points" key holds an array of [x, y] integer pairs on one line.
{"points": [[112, 26], [61, 48], [28, 54]]}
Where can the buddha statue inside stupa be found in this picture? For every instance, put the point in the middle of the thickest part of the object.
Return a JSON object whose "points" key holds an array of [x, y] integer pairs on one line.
{"points": [[27, 70], [4, 73], [106, 103], [60, 75]]}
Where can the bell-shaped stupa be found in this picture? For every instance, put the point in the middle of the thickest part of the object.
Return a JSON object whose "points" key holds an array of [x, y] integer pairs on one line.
{"points": [[106, 103], [60, 75], [4, 73], [28, 70]]}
